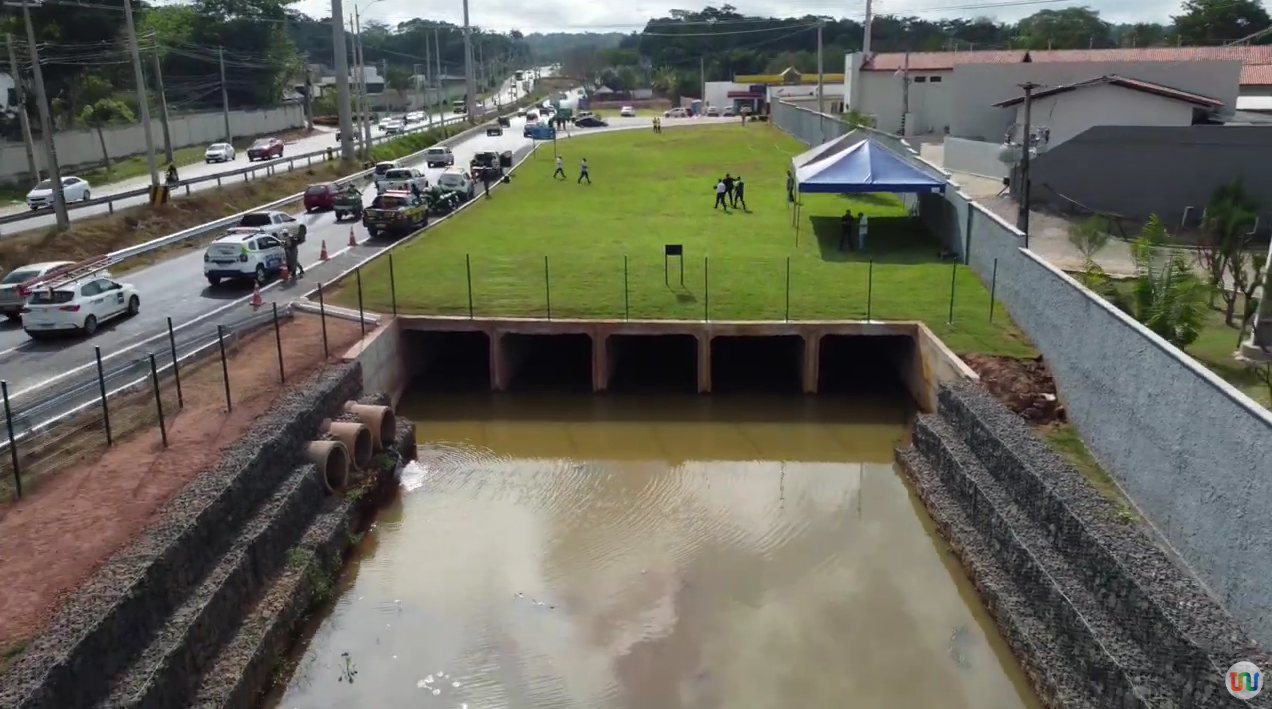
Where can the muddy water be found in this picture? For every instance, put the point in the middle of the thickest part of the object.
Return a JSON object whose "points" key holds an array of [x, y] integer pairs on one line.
{"points": [[654, 554]]}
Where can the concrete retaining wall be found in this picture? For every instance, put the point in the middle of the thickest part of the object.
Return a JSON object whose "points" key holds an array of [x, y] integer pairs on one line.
{"points": [[82, 149], [101, 630], [976, 157], [383, 357], [1137, 629]]}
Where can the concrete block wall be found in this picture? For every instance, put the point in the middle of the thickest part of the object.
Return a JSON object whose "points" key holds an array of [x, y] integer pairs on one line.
{"points": [[82, 149], [1189, 449], [976, 157]]}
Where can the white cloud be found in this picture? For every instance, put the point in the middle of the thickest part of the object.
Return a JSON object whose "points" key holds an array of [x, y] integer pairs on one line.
{"points": [[583, 15]]}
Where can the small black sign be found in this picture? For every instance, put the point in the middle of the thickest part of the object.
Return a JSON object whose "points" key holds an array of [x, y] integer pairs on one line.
{"points": [[674, 250]]}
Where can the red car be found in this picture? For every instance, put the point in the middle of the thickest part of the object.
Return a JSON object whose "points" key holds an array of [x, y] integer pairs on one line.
{"points": [[265, 149], [321, 196]]}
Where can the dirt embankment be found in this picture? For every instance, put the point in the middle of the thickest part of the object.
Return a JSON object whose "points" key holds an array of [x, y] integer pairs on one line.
{"points": [[1024, 385]]}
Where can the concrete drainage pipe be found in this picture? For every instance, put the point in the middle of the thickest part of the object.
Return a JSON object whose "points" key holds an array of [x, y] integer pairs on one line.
{"points": [[332, 459], [356, 439], [380, 419]]}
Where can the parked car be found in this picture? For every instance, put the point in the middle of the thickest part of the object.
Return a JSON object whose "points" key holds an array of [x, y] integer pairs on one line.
{"points": [[274, 222], [18, 283], [219, 152], [395, 213], [537, 131], [590, 122], [321, 196], [439, 156], [265, 149], [713, 112], [243, 256], [78, 306], [74, 189], [728, 111], [676, 113], [401, 179], [456, 180]]}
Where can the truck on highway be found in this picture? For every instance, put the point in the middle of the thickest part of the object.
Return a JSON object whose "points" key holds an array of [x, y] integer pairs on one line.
{"points": [[401, 179]]}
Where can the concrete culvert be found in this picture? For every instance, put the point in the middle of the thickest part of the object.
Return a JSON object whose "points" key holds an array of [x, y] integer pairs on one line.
{"points": [[356, 438], [381, 421], [332, 459]]}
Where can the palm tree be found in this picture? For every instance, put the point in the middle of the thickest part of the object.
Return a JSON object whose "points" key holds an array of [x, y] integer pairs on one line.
{"points": [[1090, 237], [1166, 295]]}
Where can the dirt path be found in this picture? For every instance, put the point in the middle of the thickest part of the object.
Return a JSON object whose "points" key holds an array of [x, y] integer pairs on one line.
{"points": [[54, 538]]}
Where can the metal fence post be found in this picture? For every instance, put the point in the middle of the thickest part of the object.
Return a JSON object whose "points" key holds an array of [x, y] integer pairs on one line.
{"points": [[627, 304], [362, 320], [176, 370], [869, 289], [788, 289], [706, 289], [154, 380], [13, 444], [101, 387], [225, 367], [322, 314], [468, 267], [278, 341], [993, 290], [392, 285], [547, 286], [953, 278]]}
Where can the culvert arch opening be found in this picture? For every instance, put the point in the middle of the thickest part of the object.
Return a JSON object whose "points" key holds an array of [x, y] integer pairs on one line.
{"points": [[757, 363], [556, 363], [453, 362], [865, 364], [652, 363]]}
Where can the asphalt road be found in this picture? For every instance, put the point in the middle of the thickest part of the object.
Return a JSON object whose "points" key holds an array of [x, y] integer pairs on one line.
{"points": [[325, 138]]}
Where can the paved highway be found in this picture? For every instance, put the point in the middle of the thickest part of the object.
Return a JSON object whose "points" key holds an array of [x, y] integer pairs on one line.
{"points": [[324, 138]]}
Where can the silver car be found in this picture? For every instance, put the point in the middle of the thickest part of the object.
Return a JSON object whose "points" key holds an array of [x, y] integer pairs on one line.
{"points": [[219, 152]]}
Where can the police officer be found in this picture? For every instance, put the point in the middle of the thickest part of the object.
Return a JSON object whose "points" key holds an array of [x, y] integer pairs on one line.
{"points": [[172, 174], [291, 249]]}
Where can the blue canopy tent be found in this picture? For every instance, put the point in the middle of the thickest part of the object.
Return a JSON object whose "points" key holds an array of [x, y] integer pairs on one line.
{"points": [[866, 166]]}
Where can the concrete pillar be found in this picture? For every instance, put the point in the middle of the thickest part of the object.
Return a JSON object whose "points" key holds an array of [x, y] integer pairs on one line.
{"points": [[497, 364], [812, 362], [704, 363], [600, 362]]}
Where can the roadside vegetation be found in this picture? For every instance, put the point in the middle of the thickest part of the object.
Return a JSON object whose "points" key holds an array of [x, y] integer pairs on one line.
{"points": [[1203, 301]]}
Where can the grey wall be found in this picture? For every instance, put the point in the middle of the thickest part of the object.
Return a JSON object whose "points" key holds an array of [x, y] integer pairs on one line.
{"points": [[1138, 171], [975, 157], [1189, 449]]}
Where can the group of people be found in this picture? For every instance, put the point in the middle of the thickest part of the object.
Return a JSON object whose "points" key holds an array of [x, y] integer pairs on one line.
{"points": [[657, 124], [730, 191], [560, 171]]}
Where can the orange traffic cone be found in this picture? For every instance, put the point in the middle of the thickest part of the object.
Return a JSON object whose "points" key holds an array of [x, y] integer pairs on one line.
{"points": [[323, 254], [256, 296], [284, 272], [353, 240]]}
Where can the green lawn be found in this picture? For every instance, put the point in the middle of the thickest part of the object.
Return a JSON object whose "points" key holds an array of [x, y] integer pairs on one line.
{"points": [[1215, 349], [545, 248]]}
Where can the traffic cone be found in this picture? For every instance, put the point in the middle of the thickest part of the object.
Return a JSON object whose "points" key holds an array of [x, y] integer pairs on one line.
{"points": [[256, 296], [353, 240], [283, 272], [323, 254]]}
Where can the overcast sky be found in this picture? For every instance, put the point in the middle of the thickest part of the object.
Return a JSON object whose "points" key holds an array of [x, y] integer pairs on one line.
{"points": [[584, 15]]}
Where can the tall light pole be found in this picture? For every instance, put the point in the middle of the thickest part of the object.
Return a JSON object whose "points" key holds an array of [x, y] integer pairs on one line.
{"points": [[143, 103], [470, 79], [1022, 216], [46, 123], [341, 60], [362, 84]]}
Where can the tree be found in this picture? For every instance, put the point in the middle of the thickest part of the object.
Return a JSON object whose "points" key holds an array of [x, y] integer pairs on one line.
{"points": [[104, 112], [1090, 237], [1070, 28], [398, 78], [1210, 22], [1230, 215], [1166, 296]]}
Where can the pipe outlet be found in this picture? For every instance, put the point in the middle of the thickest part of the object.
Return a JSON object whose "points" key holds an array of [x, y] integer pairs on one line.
{"points": [[356, 439], [332, 459], [380, 419]]}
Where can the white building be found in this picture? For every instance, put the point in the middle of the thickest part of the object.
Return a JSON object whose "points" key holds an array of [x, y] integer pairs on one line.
{"points": [[723, 94], [954, 93]]}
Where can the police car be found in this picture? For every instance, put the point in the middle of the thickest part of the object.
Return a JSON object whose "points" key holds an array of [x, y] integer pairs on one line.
{"points": [[78, 305], [253, 256]]}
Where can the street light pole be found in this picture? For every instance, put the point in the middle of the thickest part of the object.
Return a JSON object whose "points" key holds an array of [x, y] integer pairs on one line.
{"points": [[46, 124], [470, 80], [341, 60], [1022, 216], [143, 103]]}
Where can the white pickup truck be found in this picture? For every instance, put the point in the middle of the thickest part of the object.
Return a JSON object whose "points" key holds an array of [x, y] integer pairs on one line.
{"points": [[401, 178]]}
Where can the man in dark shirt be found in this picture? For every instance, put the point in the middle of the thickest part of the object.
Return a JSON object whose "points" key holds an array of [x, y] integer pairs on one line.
{"points": [[728, 186], [847, 236], [790, 186], [739, 194]]}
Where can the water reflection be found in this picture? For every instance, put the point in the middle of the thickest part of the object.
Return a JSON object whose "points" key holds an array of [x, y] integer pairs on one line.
{"points": [[691, 553]]}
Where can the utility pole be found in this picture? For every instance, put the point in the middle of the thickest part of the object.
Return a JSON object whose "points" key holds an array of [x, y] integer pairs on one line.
{"points": [[340, 58], [821, 84], [437, 81], [27, 139], [309, 94], [470, 78], [428, 73], [362, 81], [46, 123], [225, 96], [143, 102], [905, 91], [163, 102], [1022, 216], [702, 80]]}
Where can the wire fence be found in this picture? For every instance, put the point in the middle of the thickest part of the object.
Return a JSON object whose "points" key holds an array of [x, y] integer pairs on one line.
{"points": [[96, 406], [670, 286]]}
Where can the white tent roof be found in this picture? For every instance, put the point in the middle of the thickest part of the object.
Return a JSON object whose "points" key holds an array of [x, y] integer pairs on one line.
{"points": [[825, 150]]}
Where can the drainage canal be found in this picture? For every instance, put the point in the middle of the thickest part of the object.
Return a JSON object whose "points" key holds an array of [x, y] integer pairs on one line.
{"points": [[864, 364], [663, 551], [449, 361], [547, 362], [652, 363], [757, 364]]}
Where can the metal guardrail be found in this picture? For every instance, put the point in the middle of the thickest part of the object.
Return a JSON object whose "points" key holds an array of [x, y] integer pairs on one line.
{"points": [[271, 167]]}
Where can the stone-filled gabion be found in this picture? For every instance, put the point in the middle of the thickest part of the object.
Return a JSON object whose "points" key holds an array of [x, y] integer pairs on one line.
{"points": [[1141, 630], [113, 616]]}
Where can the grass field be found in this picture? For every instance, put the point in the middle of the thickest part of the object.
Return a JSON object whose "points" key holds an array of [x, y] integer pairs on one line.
{"points": [[1215, 349], [554, 247]]}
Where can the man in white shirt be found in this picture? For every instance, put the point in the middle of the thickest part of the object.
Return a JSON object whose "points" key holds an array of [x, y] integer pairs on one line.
{"points": [[560, 162], [721, 190], [583, 174]]}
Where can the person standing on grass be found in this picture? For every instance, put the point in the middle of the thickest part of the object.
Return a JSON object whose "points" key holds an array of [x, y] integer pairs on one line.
{"points": [[583, 173], [739, 194], [728, 186], [864, 229], [790, 186], [720, 193], [848, 235], [560, 171]]}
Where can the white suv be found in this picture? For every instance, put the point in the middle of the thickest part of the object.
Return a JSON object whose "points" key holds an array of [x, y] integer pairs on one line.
{"points": [[627, 112], [78, 306], [238, 256]]}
